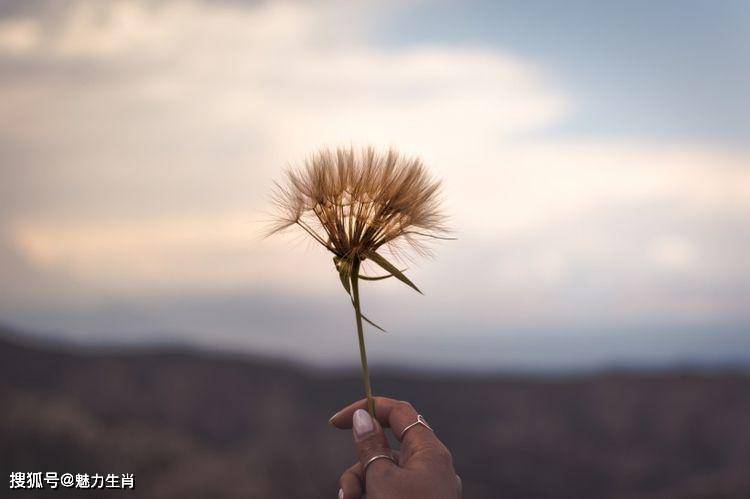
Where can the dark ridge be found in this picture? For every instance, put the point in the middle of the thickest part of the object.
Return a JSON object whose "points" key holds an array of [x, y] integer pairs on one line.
{"points": [[195, 424]]}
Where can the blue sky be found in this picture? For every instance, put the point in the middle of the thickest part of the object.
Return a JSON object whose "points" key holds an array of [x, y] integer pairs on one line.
{"points": [[648, 69], [594, 158]]}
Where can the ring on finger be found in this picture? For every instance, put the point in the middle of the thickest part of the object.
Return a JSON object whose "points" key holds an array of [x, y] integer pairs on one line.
{"points": [[420, 421], [375, 458]]}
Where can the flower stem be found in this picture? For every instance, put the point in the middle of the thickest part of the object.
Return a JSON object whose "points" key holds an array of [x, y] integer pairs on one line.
{"points": [[360, 334]]}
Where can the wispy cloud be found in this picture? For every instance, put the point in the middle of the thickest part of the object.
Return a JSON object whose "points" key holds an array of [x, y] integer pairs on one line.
{"points": [[139, 140]]}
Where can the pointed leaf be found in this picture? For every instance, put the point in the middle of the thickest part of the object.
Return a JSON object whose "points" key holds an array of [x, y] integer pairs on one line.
{"points": [[343, 268], [388, 266], [375, 278], [371, 323]]}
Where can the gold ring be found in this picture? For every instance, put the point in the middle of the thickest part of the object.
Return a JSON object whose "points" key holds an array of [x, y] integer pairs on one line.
{"points": [[375, 458], [420, 420]]}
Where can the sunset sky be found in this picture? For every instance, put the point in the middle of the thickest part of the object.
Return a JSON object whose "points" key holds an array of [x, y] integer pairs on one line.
{"points": [[595, 159]]}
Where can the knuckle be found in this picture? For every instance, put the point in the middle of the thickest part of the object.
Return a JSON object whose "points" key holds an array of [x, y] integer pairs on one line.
{"points": [[406, 405], [403, 408], [369, 447], [381, 471], [446, 456], [442, 455]]}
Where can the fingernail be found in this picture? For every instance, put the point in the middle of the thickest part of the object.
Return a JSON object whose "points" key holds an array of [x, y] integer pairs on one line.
{"points": [[330, 420], [363, 424], [341, 493]]}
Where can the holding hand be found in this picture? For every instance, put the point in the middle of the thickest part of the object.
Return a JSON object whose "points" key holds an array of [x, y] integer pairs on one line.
{"points": [[422, 470]]}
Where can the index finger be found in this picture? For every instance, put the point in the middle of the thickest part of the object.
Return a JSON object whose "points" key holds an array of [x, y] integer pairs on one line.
{"points": [[397, 415]]}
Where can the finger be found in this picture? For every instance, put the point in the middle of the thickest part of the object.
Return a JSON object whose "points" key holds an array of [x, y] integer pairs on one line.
{"points": [[390, 413], [419, 445], [343, 418], [351, 483], [370, 442]]}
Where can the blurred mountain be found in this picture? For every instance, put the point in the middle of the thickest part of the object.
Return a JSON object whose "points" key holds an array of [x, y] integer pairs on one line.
{"points": [[195, 425]]}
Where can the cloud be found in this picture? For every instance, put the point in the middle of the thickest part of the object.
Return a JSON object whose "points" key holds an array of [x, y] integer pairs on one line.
{"points": [[673, 252], [141, 138], [139, 118], [19, 36]]}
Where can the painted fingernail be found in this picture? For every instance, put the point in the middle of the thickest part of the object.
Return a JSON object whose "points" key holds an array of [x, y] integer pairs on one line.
{"points": [[363, 424], [341, 493], [330, 420]]}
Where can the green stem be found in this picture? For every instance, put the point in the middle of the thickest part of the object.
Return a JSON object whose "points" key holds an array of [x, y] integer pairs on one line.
{"points": [[360, 334]]}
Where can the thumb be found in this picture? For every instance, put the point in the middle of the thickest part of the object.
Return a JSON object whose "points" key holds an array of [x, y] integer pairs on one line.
{"points": [[370, 442]]}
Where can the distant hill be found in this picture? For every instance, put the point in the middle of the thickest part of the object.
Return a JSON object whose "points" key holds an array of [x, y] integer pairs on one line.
{"points": [[193, 425]]}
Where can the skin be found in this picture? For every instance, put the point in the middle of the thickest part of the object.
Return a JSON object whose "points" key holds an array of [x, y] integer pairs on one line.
{"points": [[424, 467]]}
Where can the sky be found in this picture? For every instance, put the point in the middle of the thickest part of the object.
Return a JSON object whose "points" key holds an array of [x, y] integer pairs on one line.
{"points": [[594, 156]]}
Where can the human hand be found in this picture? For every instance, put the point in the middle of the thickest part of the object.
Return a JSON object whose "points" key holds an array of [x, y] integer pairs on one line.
{"points": [[422, 470]]}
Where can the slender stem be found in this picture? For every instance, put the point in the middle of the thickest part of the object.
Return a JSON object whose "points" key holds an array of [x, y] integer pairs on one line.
{"points": [[360, 334]]}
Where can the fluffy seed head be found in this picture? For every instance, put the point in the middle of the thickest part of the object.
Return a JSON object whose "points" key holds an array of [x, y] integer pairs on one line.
{"points": [[353, 202]]}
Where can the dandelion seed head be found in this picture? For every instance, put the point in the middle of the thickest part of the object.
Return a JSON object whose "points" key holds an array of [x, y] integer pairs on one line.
{"points": [[357, 201]]}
